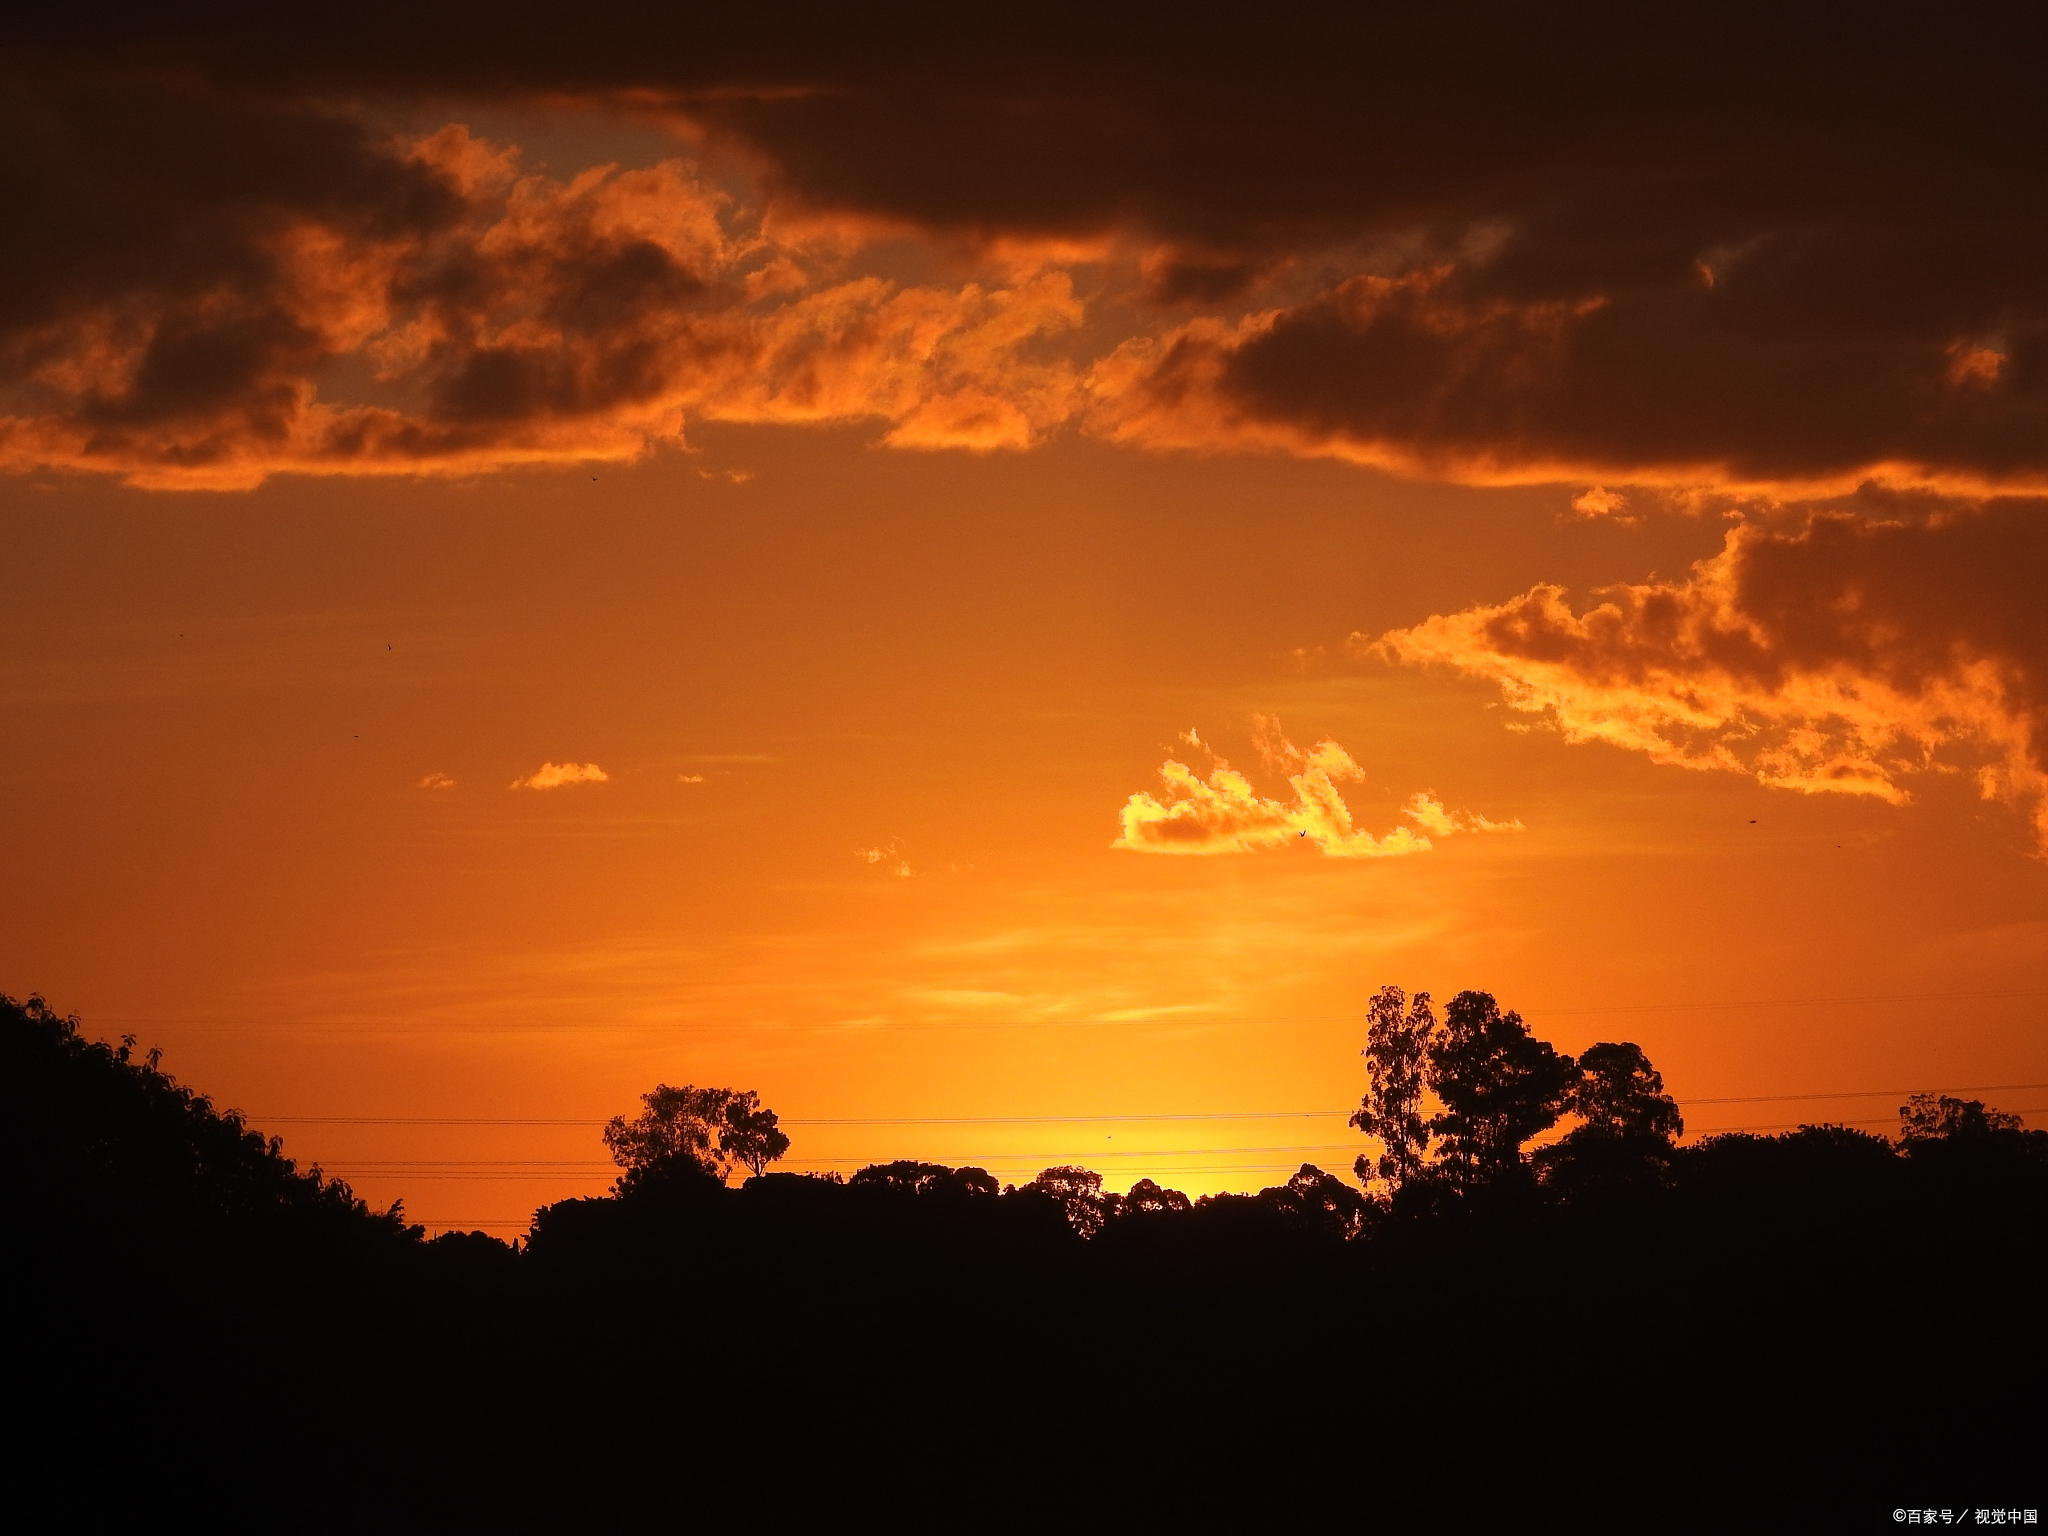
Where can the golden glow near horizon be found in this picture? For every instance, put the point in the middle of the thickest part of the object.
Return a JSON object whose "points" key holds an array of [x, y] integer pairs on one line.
{"points": [[723, 641]]}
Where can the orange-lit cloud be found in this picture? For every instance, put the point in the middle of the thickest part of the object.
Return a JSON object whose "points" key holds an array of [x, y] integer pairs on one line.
{"points": [[437, 781], [1325, 247], [523, 319], [888, 857], [1222, 813], [1834, 654], [556, 775], [1431, 372]]}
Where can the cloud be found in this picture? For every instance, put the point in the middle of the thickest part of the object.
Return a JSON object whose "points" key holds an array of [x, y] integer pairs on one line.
{"points": [[1472, 243], [1443, 371], [1222, 813], [689, 778], [888, 857], [1822, 650], [430, 306], [437, 781], [555, 775]]}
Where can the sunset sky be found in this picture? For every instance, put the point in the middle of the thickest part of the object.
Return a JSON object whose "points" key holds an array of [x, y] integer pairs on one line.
{"points": [[993, 580]]}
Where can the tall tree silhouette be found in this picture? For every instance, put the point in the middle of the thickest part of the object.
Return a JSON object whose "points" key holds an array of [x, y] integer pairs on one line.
{"points": [[1619, 1093], [678, 1133], [1628, 1124], [1499, 1086], [691, 1132], [750, 1135], [1397, 1042]]}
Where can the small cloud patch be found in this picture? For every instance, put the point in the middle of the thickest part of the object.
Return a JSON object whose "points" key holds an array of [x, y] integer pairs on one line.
{"points": [[1220, 812], [888, 858], [555, 775], [437, 781]]}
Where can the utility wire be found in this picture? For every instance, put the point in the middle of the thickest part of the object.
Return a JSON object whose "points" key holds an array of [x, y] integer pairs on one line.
{"points": [[512, 1168], [1234, 1114]]}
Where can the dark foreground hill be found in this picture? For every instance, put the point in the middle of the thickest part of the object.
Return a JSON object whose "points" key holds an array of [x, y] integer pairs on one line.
{"points": [[1804, 1331]]}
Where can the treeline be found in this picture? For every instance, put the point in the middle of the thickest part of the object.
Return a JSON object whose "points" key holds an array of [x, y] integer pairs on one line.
{"points": [[1494, 1087], [1501, 1318]]}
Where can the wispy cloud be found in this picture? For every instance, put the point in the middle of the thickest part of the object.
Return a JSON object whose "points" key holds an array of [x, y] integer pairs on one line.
{"points": [[1221, 812], [888, 857], [555, 775], [437, 781]]}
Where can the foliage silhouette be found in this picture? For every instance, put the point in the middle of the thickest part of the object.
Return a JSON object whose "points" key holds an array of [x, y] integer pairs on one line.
{"points": [[934, 1179], [232, 1322], [1628, 1127], [1399, 1034], [1079, 1194], [750, 1135], [688, 1134], [1499, 1086], [1932, 1118], [1146, 1198], [1312, 1204], [93, 1136]]}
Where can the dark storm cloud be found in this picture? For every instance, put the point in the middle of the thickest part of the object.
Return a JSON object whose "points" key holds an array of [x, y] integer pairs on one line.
{"points": [[128, 195], [1753, 243], [203, 283]]}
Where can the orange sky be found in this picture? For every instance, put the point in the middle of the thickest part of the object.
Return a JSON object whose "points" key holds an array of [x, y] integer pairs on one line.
{"points": [[1008, 686], [225, 705]]}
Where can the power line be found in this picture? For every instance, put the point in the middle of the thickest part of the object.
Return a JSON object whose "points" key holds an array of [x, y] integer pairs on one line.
{"points": [[1792, 1002], [517, 1169], [477, 1163], [1118, 1119], [1866, 1093]]}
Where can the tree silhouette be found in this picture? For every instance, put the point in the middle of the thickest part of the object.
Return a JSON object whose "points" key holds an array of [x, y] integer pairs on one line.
{"points": [[92, 1136], [1620, 1094], [677, 1134], [1628, 1124], [926, 1179], [1499, 1086], [750, 1136], [1397, 1042], [1147, 1198], [1937, 1117], [1319, 1201], [175, 1259], [1079, 1193]]}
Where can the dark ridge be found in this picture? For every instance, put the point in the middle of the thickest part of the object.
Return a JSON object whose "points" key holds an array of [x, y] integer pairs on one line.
{"points": [[1615, 1332]]}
